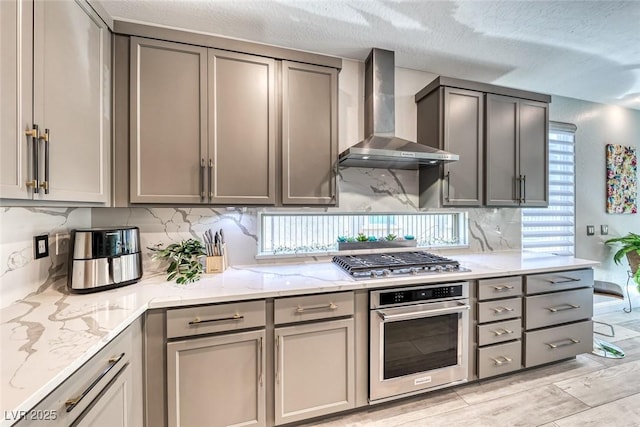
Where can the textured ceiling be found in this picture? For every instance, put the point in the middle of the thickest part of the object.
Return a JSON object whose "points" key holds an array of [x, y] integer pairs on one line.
{"points": [[581, 49]]}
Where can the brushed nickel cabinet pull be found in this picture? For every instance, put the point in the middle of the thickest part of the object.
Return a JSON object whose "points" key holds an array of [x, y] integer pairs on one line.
{"points": [[260, 361], [524, 188], [562, 307], [501, 360], [448, 178], [563, 280], [35, 168], [210, 180], [558, 344], [197, 320], [73, 402], [278, 359], [499, 310], [502, 331], [330, 306], [45, 185], [501, 288], [202, 193]]}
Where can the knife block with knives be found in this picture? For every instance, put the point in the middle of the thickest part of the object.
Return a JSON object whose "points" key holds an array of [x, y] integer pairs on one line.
{"points": [[216, 249]]}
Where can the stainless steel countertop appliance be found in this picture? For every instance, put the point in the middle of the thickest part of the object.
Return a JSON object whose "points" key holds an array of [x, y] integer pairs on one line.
{"points": [[365, 266], [104, 258], [419, 339]]}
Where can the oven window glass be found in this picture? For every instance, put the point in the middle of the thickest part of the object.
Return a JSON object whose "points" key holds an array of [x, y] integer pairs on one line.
{"points": [[420, 345]]}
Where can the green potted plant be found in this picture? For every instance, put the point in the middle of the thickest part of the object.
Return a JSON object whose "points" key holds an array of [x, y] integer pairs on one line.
{"points": [[184, 260], [631, 249]]}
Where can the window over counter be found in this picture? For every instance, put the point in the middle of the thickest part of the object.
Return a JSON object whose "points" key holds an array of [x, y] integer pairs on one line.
{"points": [[295, 233], [552, 229]]}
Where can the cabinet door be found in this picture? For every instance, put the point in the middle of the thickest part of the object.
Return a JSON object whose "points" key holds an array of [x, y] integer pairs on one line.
{"points": [[309, 134], [501, 154], [71, 98], [16, 26], [463, 135], [216, 381], [113, 408], [314, 370], [242, 128], [534, 153], [168, 125]]}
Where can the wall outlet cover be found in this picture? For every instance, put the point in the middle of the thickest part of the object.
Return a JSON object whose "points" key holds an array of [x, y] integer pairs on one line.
{"points": [[41, 246], [591, 230], [604, 230]]}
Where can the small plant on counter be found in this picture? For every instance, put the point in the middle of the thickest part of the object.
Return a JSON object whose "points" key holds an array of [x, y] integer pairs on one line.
{"points": [[183, 257], [409, 237], [362, 237], [390, 237]]}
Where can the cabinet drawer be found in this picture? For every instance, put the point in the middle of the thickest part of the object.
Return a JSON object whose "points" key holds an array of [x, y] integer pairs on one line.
{"points": [[206, 319], [311, 307], [499, 359], [499, 288], [558, 307], [562, 342], [494, 333], [492, 311], [561, 280]]}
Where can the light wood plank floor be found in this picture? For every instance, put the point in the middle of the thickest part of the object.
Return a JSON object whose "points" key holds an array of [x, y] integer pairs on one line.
{"points": [[585, 391]]}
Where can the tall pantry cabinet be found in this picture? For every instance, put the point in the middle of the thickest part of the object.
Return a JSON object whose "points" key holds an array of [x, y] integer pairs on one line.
{"points": [[55, 115]]}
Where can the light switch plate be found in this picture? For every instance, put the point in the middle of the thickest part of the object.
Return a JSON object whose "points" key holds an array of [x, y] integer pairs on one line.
{"points": [[604, 230], [591, 230], [41, 246]]}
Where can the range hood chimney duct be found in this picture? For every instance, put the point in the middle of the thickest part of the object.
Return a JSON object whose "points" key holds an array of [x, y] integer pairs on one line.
{"points": [[381, 148]]}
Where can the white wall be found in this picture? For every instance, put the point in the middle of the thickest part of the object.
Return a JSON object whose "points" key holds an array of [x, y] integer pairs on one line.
{"points": [[598, 125]]}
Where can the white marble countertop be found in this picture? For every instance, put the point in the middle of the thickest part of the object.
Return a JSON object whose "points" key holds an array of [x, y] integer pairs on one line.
{"points": [[49, 334]]}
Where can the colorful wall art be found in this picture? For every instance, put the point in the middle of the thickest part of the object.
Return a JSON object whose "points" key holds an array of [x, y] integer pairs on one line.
{"points": [[622, 179]]}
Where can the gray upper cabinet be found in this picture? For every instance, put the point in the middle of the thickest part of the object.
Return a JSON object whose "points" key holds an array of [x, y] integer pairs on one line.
{"points": [[309, 134], [516, 152], [65, 156], [452, 119], [208, 126], [242, 128], [168, 122]]}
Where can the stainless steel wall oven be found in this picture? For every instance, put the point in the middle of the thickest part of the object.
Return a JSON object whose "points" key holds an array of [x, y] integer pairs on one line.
{"points": [[418, 339]]}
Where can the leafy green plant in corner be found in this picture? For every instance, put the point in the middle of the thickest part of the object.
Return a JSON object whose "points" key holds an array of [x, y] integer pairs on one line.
{"points": [[184, 265], [631, 249]]}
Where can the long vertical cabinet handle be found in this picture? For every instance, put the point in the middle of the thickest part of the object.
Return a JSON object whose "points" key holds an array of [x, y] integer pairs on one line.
{"points": [[277, 359], [524, 188], [210, 180], [448, 178], [202, 194], [33, 182], [46, 184], [519, 189], [260, 361]]}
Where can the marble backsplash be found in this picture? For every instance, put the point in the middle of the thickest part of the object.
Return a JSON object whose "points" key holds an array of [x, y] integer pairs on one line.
{"points": [[360, 190]]}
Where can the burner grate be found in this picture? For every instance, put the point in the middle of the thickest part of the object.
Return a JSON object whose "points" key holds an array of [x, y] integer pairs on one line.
{"points": [[398, 262]]}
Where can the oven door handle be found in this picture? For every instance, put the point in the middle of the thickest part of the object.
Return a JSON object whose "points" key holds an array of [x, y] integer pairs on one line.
{"points": [[422, 313]]}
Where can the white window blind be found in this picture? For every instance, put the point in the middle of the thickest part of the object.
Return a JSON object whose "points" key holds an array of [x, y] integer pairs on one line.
{"points": [[284, 233], [552, 229]]}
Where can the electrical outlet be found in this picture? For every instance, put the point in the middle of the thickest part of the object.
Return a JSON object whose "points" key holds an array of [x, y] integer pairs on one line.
{"points": [[604, 230], [591, 230], [41, 246]]}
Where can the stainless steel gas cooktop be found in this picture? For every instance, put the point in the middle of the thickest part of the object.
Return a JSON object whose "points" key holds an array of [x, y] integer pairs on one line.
{"points": [[395, 264]]}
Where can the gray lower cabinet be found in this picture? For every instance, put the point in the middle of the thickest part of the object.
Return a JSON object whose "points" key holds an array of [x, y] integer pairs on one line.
{"points": [[309, 134], [64, 54], [105, 391], [452, 119], [499, 330], [314, 369], [558, 311], [517, 134], [217, 380]]}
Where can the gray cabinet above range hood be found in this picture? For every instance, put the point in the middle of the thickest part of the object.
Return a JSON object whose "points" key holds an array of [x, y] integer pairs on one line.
{"points": [[381, 148]]}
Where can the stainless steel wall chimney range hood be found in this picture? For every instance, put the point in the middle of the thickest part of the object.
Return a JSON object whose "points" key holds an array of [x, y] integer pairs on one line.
{"points": [[381, 148]]}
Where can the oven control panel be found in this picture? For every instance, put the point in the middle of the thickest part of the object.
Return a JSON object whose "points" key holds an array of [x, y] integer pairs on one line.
{"points": [[426, 293]]}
